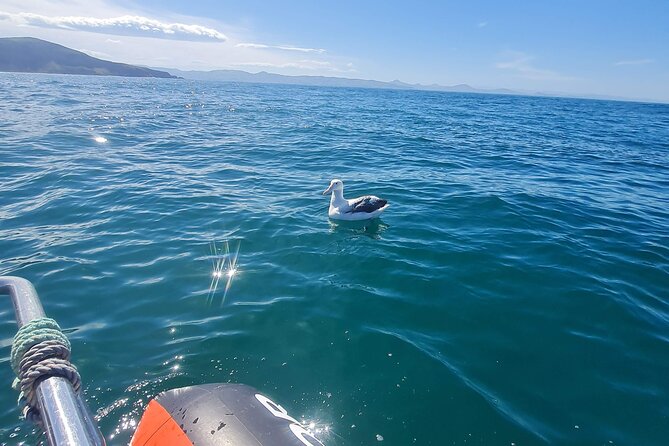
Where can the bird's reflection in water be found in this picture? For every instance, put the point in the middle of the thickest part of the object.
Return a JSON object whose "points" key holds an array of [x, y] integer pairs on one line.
{"points": [[224, 268], [370, 228]]}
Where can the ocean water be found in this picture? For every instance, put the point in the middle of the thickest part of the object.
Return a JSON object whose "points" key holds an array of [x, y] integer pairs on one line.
{"points": [[515, 292]]}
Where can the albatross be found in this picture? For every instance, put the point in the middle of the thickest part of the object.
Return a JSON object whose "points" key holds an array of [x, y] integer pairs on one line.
{"points": [[361, 208]]}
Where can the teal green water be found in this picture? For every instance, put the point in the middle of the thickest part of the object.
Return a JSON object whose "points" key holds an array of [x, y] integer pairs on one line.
{"points": [[515, 292]]}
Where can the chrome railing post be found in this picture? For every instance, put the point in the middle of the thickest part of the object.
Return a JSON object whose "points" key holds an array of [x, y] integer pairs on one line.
{"points": [[67, 420]]}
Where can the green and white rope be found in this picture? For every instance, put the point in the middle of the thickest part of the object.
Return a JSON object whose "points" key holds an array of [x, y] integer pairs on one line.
{"points": [[40, 350]]}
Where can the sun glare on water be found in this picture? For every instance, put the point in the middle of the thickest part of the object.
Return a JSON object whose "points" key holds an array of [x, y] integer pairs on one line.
{"points": [[224, 264], [100, 139]]}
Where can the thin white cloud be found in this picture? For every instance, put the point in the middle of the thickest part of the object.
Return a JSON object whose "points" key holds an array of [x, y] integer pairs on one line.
{"points": [[128, 25], [304, 64], [521, 64], [482, 24], [266, 64], [280, 47], [634, 62], [320, 63]]}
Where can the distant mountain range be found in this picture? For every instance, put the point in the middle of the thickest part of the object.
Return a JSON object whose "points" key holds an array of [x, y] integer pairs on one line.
{"points": [[30, 55], [264, 77]]}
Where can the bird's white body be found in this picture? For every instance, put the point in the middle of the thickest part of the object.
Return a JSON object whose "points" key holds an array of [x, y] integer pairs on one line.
{"points": [[361, 208]]}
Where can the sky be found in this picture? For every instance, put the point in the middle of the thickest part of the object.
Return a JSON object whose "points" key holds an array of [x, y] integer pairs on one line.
{"points": [[586, 47]]}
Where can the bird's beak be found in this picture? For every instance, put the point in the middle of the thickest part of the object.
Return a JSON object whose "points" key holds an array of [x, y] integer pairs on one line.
{"points": [[328, 190]]}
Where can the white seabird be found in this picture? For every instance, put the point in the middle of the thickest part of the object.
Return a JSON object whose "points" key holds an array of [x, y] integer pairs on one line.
{"points": [[361, 208]]}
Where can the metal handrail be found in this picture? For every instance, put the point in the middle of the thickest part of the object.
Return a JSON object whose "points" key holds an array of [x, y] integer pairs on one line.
{"points": [[66, 418]]}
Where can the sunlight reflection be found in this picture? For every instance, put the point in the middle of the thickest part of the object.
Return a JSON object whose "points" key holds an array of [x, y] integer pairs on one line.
{"points": [[100, 139], [224, 264], [318, 429]]}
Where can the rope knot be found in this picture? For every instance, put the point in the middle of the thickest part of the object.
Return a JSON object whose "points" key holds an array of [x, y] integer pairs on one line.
{"points": [[41, 350]]}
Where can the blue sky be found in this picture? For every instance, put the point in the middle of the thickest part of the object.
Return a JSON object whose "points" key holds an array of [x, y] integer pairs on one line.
{"points": [[617, 48]]}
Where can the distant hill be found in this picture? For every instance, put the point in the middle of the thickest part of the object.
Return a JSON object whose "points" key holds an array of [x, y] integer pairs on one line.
{"points": [[264, 77], [30, 55]]}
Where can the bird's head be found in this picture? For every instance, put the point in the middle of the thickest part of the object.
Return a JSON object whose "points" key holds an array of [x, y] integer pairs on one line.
{"points": [[334, 185]]}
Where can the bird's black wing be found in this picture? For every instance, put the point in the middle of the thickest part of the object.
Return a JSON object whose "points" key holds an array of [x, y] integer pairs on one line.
{"points": [[367, 204]]}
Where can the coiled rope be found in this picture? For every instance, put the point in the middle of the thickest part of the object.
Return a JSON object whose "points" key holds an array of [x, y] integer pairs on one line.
{"points": [[40, 350]]}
